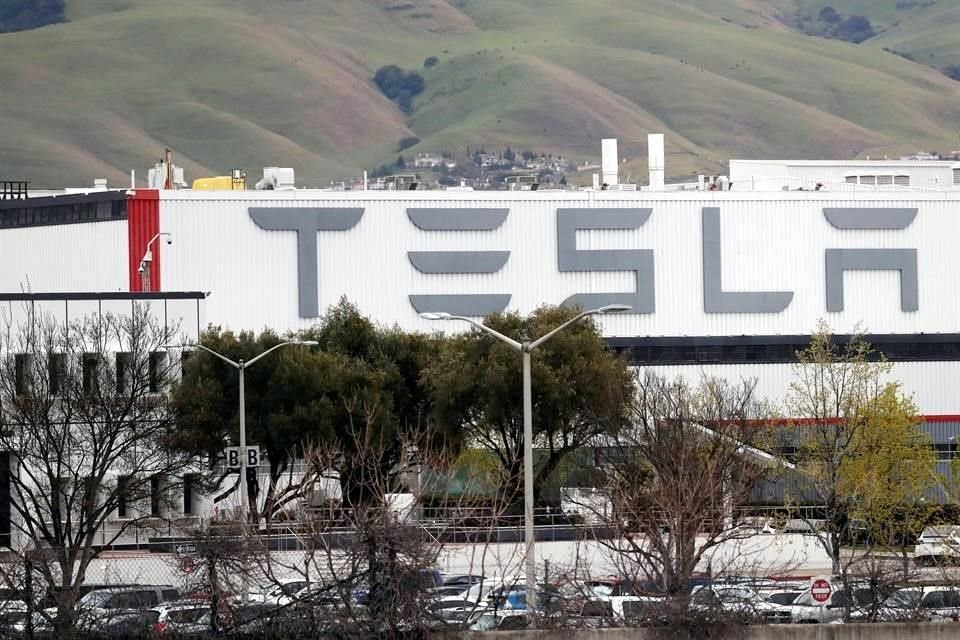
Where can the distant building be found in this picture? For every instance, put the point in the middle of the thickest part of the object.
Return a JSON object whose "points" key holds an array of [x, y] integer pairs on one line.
{"points": [[428, 161], [845, 175]]}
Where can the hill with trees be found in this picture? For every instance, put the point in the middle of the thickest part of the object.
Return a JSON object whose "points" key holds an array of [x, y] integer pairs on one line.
{"points": [[239, 83]]}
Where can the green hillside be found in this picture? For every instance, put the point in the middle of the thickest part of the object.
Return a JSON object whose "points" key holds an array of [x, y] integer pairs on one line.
{"points": [[239, 83]]}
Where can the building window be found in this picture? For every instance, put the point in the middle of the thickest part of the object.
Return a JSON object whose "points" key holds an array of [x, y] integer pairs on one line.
{"points": [[23, 373], [123, 496], [155, 489], [189, 494], [91, 373], [124, 371], [868, 180], [57, 372], [884, 180], [901, 181], [851, 179], [67, 209], [945, 450], [956, 175], [158, 361]]}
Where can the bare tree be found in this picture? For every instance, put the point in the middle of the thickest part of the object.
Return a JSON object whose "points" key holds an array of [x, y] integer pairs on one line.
{"points": [[372, 563], [85, 425], [219, 563], [673, 479]]}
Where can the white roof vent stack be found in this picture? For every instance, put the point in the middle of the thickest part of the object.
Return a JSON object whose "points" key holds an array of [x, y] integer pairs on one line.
{"points": [[655, 160], [276, 178], [609, 161]]}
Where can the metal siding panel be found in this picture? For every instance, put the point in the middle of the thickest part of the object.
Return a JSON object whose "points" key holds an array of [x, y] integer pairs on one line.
{"points": [[932, 385], [143, 220], [771, 242], [73, 257]]}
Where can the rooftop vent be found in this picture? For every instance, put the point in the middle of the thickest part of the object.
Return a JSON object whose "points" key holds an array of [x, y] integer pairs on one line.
{"points": [[276, 179]]}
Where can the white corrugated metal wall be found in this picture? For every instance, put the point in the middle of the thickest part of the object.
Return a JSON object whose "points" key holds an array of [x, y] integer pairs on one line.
{"points": [[771, 242], [932, 385], [90, 256]]}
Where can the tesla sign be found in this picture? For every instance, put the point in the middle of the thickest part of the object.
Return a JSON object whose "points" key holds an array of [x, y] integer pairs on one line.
{"points": [[310, 223]]}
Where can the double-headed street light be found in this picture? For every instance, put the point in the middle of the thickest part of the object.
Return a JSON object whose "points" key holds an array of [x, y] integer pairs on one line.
{"points": [[242, 366], [525, 348]]}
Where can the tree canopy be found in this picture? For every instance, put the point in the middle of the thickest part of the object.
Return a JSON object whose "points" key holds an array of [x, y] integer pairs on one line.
{"points": [[358, 390], [861, 446], [581, 390]]}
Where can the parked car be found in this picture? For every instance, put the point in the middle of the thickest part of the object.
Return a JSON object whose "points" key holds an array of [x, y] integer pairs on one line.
{"points": [[854, 600], [931, 603], [181, 617], [281, 593], [938, 544], [124, 625], [467, 580], [135, 597], [102, 606], [739, 602], [500, 621]]}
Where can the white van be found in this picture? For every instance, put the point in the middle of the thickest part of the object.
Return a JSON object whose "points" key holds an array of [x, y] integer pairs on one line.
{"points": [[938, 544]]}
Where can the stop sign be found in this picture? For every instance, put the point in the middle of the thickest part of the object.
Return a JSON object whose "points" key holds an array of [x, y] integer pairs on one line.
{"points": [[820, 589]]}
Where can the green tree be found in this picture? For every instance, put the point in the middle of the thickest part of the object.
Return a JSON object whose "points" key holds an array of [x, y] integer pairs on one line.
{"points": [[895, 465], [580, 391], [862, 449], [358, 390]]}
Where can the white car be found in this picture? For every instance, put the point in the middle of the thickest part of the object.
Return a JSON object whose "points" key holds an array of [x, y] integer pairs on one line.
{"points": [[937, 544], [859, 598], [182, 616], [740, 601], [632, 609], [282, 593], [930, 603]]}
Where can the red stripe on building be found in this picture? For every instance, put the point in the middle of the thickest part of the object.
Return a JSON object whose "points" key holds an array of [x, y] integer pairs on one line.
{"points": [[810, 422], [143, 224]]}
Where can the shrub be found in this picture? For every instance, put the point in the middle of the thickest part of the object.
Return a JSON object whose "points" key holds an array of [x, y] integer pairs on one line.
{"points": [[407, 142], [430, 62], [392, 81], [952, 72], [21, 15], [855, 29]]}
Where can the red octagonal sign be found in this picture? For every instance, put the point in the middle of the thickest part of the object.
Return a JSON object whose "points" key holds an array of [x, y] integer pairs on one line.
{"points": [[820, 589]]}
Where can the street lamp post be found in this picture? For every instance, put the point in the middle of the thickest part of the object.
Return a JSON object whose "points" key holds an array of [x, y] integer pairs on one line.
{"points": [[242, 366], [525, 348]]}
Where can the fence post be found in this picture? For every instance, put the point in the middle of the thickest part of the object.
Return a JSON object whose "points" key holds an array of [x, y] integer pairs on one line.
{"points": [[28, 593]]}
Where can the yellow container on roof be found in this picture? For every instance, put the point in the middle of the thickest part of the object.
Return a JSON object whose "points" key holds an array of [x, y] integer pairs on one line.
{"points": [[220, 183]]}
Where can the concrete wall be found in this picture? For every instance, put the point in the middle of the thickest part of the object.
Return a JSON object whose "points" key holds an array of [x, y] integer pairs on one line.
{"points": [[771, 632]]}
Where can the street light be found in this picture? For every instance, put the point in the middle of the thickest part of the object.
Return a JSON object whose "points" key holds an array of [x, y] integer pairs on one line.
{"points": [[525, 348], [147, 260], [242, 366]]}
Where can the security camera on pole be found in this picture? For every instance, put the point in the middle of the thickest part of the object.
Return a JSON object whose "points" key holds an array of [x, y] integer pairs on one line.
{"points": [[147, 260]]}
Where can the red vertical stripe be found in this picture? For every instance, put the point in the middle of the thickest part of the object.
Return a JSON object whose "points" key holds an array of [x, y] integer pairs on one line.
{"points": [[143, 223]]}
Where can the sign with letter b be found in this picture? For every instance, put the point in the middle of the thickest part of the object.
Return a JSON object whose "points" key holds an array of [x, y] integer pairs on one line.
{"points": [[234, 460]]}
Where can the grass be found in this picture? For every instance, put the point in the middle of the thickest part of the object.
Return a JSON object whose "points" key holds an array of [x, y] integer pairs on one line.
{"points": [[240, 83]]}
